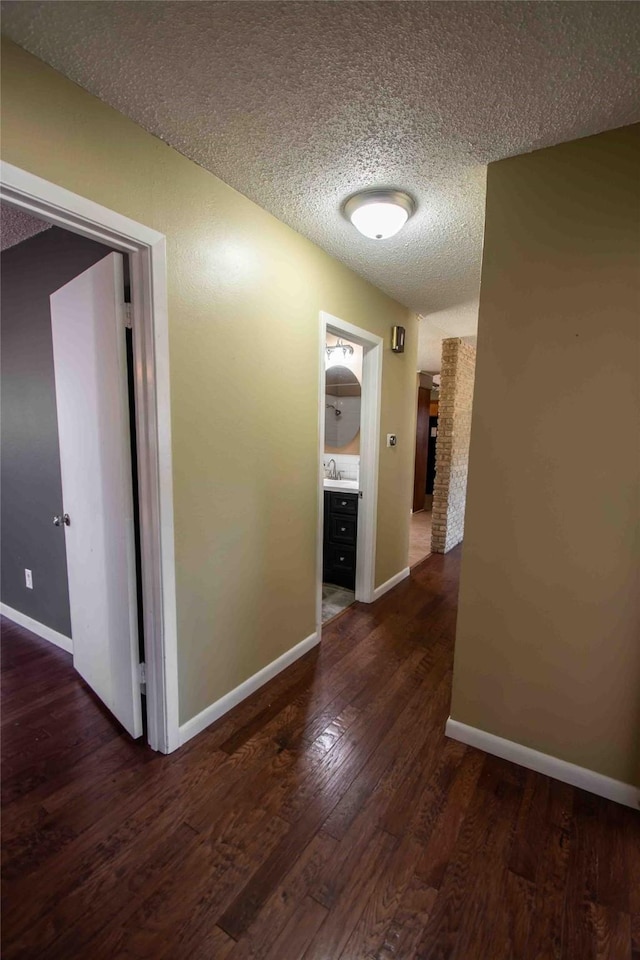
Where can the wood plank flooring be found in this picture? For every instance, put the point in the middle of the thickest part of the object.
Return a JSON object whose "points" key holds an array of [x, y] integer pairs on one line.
{"points": [[419, 536], [326, 818]]}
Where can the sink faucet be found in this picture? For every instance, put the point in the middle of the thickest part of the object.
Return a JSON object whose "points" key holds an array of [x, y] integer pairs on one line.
{"points": [[332, 473]]}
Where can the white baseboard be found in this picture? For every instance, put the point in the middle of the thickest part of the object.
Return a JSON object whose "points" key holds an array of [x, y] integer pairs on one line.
{"points": [[392, 582], [59, 639], [216, 710], [589, 780]]}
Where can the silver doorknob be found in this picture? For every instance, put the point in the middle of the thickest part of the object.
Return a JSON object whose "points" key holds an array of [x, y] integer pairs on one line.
{"points": [[58, 520]]}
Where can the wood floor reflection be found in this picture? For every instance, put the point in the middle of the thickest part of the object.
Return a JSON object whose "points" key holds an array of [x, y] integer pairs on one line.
{"points": [[325, 818]]}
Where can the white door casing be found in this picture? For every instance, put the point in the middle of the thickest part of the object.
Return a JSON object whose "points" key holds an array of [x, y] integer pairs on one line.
{"points": [[146, 249], [89, 348]]}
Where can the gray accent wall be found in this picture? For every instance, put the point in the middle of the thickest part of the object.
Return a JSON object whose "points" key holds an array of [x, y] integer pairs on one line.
{"points": [[31, 488]]}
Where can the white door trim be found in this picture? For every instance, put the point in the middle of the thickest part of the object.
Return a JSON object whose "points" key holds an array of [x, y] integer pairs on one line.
{"points": [[369, 455], [147, 257]]}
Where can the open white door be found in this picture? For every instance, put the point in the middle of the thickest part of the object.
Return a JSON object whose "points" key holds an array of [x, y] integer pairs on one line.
{"points": [[89, 350]]}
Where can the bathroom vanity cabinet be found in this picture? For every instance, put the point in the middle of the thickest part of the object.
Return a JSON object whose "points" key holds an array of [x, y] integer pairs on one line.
{"points": [[340, 538]]}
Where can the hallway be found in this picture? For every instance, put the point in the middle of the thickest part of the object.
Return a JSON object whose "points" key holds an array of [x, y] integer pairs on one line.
{"points": [[325, 817]]}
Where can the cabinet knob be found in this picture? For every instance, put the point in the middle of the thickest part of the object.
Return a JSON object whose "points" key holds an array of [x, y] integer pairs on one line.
{"points": [[343, 529], [343, 503], [341, 559]]}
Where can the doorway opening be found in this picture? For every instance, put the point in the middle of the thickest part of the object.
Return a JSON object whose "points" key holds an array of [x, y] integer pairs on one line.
{"points": [[424, 468], [71, 547], [350, 378], [341, 463], [145, 250]]}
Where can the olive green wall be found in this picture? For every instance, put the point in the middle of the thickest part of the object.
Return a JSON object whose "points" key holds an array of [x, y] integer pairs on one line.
{"points": [[548, 639], [242, 286]]}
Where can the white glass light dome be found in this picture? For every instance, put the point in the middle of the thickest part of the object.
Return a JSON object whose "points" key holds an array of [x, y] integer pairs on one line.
{"points": [[379, 214]]}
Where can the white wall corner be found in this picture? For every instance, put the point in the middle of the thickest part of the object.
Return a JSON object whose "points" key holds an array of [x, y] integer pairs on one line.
{"points": [[589, 780], [40, 630], [391, 583], [226, 703]]}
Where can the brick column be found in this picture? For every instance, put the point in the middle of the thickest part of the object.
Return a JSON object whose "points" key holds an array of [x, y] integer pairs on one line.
{"points": [[452, 446]]}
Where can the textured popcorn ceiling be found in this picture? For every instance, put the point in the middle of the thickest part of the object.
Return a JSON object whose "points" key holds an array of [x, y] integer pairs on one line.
{"points": [[297, 105], [16, 226]]}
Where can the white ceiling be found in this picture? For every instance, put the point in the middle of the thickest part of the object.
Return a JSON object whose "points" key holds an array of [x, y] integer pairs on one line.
{"points": [[16, 226], [298, 104]]}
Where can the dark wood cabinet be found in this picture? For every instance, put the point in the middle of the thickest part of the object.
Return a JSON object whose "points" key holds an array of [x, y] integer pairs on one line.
{"points": [[340, 538]]}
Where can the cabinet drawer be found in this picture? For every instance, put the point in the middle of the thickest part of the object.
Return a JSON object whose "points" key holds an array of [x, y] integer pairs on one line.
{"points": [[341, 557], [343, 529], [344, 503]]}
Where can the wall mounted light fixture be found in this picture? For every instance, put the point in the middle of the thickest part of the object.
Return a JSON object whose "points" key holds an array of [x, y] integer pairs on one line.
{"points": [[397, 339], [347, 350], [379, 214]]}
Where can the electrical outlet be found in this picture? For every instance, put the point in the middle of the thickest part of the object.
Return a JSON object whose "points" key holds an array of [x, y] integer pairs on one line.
{"points": [[392, 440], [28, 578]]}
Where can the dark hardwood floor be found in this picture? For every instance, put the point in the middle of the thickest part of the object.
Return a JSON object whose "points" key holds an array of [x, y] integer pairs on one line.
{"points": [[327, 817]]}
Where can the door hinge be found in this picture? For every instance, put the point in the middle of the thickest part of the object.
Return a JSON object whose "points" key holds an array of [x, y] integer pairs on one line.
{"points": [[142, 676], [128, 316]]}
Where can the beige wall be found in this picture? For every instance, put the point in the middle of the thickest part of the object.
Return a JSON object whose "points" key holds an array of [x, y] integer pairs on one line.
{"points": [[240, 284], [548, 640]]}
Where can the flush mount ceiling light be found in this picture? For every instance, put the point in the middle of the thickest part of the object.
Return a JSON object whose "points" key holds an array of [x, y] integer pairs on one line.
{"points": [[379, 214]]}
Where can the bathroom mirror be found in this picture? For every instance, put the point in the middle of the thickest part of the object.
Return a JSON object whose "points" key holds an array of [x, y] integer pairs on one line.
{"points": [[342, 413]]}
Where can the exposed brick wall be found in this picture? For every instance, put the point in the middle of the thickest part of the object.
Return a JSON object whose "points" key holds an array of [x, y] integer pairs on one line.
{"points": [[452, 446]]}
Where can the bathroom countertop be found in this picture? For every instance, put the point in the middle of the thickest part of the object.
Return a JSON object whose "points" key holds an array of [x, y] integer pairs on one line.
{"points": [[341, 486]]}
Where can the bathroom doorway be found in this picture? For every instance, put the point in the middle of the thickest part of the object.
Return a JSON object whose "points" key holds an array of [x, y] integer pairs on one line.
{"points": [[349, 424], [341, 463]]}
